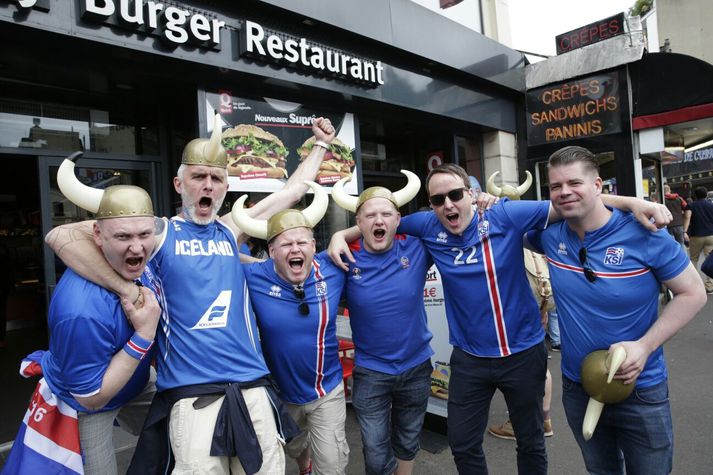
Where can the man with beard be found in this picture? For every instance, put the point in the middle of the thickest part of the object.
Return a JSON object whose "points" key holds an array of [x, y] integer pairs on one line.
{"points": [[392, 375], [100, 350], [295, 295], [606, 274], [212, 376], [493, 319]]}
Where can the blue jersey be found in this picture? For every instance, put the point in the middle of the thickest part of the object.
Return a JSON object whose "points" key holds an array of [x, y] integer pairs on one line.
{"points": [[208, 332], [385, 297], [301, 350], [87, 327], [622, 304], [490, 308]]}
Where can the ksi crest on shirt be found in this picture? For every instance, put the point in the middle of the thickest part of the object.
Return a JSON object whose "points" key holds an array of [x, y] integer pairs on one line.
{"points": [[614, 256], [483, 228], [356, 273], [321, 288]]}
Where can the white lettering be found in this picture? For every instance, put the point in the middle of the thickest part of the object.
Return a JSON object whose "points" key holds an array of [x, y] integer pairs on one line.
{"points": [[303, 51], [175, 19], [345, 69], [274, 46], [138, 15], [200, 27], [379, 69], [217, 25], [106, 11], [332, 66], [196, 247], [291, 55], [355, 70], [153, 9], [369, 72], [317, 59], [254, 35]]}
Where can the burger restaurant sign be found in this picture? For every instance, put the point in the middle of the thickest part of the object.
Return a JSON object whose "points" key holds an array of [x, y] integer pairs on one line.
{"points": [[177, 25]]}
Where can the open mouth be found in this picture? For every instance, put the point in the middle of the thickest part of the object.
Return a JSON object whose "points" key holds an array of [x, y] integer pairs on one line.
{"points": [[134, 261], [205, 203], [379, 233], [296, 263], [452, 218]]}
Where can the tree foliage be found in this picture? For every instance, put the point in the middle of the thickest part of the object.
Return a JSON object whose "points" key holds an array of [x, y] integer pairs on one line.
{"points": [[641, 7]]}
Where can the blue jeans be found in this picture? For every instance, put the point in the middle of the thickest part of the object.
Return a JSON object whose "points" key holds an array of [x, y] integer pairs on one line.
{"points": [[390, 411], [521, 379], [636, 433], [553, 324]]}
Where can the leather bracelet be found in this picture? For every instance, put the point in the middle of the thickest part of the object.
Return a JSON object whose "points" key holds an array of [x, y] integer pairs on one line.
{"points": [[321, 143], [137, 347]]}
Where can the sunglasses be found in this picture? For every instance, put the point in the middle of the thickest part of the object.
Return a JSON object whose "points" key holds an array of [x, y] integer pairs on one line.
{"points": [[588, 272], [453, 195], [299, 293]]}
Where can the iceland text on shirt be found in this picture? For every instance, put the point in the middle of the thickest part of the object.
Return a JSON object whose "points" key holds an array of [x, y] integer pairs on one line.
{"points": [[196, 247]]}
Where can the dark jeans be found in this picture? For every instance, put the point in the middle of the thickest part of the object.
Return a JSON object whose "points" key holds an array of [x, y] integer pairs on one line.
{"points": [[636, 433], [521, 379], [390, 410]]}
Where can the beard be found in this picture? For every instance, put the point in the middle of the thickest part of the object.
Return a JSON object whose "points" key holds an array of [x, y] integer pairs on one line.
{"points": [[189, 209]]}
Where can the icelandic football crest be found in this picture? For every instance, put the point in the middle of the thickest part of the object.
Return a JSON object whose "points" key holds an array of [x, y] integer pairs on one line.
{"points": [[216, 316], [356, 273], [404, 262], [321, 288], [483, 228], [614, 256]]}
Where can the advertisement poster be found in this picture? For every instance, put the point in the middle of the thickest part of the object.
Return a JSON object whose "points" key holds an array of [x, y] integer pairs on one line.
{"points": [[267, 139]]}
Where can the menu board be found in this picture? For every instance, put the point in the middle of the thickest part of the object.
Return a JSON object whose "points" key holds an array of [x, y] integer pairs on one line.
{"points": [[267, 139]]}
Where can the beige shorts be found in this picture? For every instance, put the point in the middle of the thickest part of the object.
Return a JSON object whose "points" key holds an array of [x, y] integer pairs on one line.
{"points": [[191, 434], [322, 423]]}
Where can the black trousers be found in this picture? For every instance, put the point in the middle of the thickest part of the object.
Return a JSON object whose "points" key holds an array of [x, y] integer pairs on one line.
{"points": [[521, 379]]}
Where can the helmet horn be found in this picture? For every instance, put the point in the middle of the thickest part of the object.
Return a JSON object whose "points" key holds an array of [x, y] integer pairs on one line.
{"points": [[491, 187], [525, 186], [408, 192], [342, 198], [74, 190], [315, 211]]}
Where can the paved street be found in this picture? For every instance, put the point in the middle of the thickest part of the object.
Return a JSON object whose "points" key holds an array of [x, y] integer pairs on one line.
{"points": [[691, 393]]}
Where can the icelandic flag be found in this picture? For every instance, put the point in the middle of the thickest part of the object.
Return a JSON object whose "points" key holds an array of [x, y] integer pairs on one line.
{"points": [[48, 440]]}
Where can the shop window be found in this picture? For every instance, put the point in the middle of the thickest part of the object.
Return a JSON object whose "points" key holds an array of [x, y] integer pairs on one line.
{"points": [[33, 125]]}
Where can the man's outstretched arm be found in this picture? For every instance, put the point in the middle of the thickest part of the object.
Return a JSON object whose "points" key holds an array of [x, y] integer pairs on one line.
{"points": [[295, 188], [74, 244]]}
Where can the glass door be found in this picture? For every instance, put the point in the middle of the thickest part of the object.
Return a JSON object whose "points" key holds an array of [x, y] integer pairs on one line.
{"points": [[97, 173]]}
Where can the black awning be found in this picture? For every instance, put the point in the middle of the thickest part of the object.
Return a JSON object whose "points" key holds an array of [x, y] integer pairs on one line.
{"points": [[663, 82]]}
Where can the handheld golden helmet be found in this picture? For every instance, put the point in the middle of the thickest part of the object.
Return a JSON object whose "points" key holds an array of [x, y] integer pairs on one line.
{"points": [[508, 191], [208, 152], [398, 198], [597, 373], [284, 220], [118, 201]]}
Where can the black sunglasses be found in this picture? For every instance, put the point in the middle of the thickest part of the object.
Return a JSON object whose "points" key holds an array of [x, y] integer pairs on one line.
{"points": [[453, 195], [299, 292], [588, 272]]}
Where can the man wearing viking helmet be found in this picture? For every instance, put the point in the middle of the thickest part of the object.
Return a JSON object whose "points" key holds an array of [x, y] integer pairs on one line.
{"points": [[295, 295], [606, 272], [392, 375], [212, 377], [493, 319], [100, 350]]}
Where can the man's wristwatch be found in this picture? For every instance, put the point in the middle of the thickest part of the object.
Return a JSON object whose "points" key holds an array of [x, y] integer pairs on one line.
{"points": [[321, 143]]}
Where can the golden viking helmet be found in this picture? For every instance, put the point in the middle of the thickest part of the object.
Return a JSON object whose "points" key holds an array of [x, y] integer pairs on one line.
{"points": [[398, 198], [284, 220], [597, 374], [508, 191], [208, 152], [118, 201]]}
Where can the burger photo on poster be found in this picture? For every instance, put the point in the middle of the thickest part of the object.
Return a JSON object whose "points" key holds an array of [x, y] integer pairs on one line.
{"points": [[336, 164], [254, 153]]}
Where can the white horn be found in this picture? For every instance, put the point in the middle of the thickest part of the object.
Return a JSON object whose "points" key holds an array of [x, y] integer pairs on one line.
{"points": [[251, 226], [614, 361], [408, 192], [491, 187], [342, 198], [591, 418], [315, 211], [525, 186], [74, 190], [213, 145]]}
